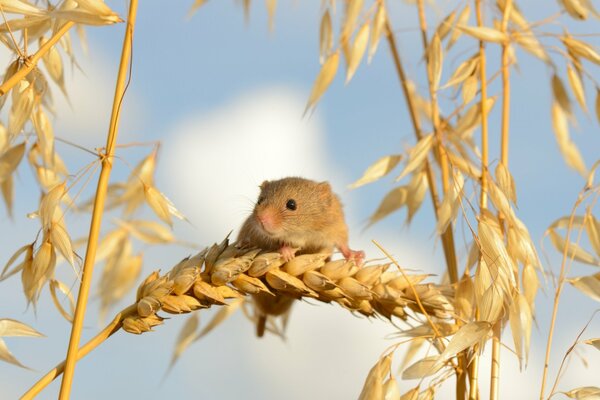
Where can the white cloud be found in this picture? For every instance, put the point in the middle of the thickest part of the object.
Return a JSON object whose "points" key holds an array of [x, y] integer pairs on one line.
{"points": [[213, 163]]}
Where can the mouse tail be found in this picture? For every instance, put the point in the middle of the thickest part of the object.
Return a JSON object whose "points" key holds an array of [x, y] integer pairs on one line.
{"points": [[261, 325]]}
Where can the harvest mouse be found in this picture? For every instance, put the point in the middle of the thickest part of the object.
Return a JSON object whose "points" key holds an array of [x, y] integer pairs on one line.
{"points": [[295, 216]]}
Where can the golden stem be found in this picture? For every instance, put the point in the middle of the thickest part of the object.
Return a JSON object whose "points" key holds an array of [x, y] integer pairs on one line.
{"points": [[557, 293], [447, 236], [474, 370], [110, 329], [90, 256], [31, 62], [495, 367], [505, 88], [473, 375], [495, 374]]}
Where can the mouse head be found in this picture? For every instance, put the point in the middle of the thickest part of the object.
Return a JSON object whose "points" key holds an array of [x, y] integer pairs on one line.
{"points": [[292, 205]]}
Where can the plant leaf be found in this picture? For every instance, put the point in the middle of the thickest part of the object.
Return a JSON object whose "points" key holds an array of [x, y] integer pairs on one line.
{"points": [[377, 170]]}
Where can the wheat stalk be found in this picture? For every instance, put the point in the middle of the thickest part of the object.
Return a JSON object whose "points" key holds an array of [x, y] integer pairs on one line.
{"points": [[224, 272]]}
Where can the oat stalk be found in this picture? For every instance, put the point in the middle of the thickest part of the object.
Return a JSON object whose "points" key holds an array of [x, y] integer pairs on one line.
{"points": [[98, 210], [558, 292], [447, 236], [474, 367], [504, 136], [32, 61]]}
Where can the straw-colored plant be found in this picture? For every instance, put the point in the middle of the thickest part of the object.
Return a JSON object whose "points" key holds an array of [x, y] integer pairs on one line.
{"points": [[457, 318]]}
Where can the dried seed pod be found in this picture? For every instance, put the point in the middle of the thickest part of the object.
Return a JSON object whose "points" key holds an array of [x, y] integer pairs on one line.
{"points": [[355, 289], [205, 292], [338, 269], [303, 263], [285, 282], [250, 285], [369, 275], [148, 306], [180, 304], [317, 281], [138, 325], [184, 280], [265, 262]]}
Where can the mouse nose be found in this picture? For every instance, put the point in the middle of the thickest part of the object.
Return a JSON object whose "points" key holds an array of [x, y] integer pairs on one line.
{"points": [[266, 220]]}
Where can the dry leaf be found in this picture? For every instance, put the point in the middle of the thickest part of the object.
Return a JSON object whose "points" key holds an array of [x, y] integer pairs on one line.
{"points": [[505, 182], [575, 251], [469, 88], [450, 205], [576, 86], [377, 170], [560, 94], [373, 387], [197, 4], [467, 336], [423, 368], [415, 191], [392, 201], [529, 43], [54, 65], [593, 342], [87, 12], [357, 51], [325, 37], [66, 291], [462, 19], [353, 8], [484, 33], [28, 250], [581, 49], [391, 391], [588, 285], [21, 7], [575, 9], [567, 147], [10, 159], [49, 205], [592, 227], [435, 60], [463, 71], [271, 6], [520, 324], [324, 79], [446, 25], [59, 237], [584, 393], [378, 28], [11, 327], [417, 155]]}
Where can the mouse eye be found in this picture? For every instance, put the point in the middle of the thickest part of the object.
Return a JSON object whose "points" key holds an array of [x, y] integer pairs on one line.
{"points": [[260, 200], [291, 204]]}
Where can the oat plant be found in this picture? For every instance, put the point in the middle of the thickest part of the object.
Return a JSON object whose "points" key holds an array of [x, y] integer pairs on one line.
{"points": [[491, 291]]}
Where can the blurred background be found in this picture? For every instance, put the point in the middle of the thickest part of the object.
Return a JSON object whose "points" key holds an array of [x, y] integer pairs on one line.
{"points": [[225, 97]]}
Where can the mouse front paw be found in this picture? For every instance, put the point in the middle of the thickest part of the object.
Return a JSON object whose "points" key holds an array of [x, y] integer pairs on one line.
{"points": [[287, 252], [358, 256]]}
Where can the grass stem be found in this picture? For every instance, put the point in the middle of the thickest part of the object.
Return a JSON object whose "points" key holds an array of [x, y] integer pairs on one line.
{"points": [[97, 213]]}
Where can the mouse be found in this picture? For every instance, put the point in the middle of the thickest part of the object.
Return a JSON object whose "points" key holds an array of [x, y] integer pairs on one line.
{"points": [[295, 216]]}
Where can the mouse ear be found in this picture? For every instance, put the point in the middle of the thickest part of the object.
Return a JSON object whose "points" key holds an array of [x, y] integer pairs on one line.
{"points": [[324, 187], [263, 185]]}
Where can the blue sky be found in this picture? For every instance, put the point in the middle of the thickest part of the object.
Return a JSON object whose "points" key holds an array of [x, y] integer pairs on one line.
{"points": [[225, 99]]}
